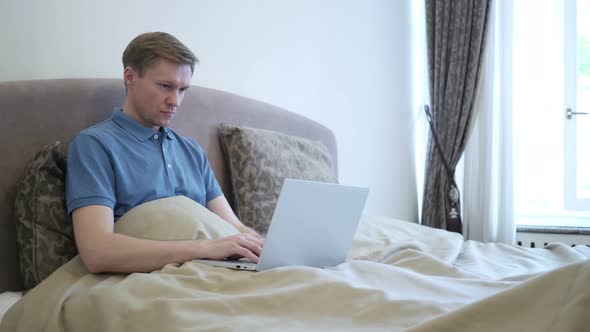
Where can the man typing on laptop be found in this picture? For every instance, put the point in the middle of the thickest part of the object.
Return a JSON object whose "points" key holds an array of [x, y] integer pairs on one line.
{"points": [[133, 158]]}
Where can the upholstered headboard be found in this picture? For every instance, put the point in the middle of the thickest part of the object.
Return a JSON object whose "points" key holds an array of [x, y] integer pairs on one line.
{"points": [[37, 113]]}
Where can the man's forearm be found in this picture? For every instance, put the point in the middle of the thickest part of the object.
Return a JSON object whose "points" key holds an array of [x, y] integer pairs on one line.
{"points": [[123, 254]]}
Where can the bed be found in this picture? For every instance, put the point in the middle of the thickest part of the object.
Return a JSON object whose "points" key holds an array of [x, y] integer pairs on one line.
{"points": [[399, 276]]}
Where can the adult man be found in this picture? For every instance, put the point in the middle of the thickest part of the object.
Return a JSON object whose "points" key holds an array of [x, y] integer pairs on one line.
{"points": [[134, 158]]}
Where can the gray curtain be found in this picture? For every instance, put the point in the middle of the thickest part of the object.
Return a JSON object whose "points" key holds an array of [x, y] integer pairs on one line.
{"points": [[455, 38]]}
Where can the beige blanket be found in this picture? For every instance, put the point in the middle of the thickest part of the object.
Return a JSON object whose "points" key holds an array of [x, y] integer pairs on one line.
{"points": [[399, 276]]}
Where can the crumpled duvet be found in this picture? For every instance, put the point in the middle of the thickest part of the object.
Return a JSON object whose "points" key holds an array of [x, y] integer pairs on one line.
{"points": [[399, 276]]}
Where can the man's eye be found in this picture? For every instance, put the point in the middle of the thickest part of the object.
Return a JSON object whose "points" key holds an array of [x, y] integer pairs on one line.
{"points": [[183, 90], [165, 86]]}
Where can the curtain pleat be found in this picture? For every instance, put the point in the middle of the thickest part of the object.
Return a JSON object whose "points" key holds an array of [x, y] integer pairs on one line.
{"points": [[455, 40]]}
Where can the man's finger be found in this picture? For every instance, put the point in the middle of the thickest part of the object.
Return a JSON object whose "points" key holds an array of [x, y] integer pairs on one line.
{"points": [[248, 254], [251, 244], [257, 238]]}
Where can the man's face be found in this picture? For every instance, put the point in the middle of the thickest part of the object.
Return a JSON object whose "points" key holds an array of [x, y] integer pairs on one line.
{"points": [[154, 97]]}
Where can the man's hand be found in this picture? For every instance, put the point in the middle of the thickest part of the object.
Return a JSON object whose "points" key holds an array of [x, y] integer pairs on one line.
{"points": [[247, 230], [241, 245]]}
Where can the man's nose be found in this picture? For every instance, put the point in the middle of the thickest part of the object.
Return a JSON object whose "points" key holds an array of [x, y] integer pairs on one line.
{"points": [[174, 98]]}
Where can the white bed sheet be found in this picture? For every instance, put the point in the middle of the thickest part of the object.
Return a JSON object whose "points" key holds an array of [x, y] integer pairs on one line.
{"points": [[7, 300]]}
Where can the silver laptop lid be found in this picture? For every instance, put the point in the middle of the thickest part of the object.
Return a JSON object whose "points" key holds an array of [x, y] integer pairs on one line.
{"points": [[313, 224]]}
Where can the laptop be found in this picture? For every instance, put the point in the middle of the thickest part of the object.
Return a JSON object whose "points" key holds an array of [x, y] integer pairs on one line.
{"points": [[313, 225]]}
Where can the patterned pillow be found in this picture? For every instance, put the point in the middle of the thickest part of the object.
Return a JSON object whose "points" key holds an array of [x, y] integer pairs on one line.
{"points": [[44, 229], [259, 160]]}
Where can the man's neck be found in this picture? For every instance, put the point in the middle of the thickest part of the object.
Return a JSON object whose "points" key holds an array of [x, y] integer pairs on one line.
{"points": [[129, 110]]}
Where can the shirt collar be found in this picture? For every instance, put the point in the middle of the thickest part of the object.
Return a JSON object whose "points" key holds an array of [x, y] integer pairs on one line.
{"points": [[137, 130]]}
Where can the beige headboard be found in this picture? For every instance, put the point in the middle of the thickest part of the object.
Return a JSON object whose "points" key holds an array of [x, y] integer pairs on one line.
{"points": [[36, 113]]}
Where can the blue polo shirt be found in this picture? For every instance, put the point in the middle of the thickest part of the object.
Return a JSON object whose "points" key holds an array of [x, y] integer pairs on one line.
{"points": [[120, 164]]}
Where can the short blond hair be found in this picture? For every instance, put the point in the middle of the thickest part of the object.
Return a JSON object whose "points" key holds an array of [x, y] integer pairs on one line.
{"points": [[146, 48]]}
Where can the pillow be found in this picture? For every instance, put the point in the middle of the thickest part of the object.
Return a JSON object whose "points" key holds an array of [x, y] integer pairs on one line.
{"points": [[173, 218], [44, 229], [259, 160]]}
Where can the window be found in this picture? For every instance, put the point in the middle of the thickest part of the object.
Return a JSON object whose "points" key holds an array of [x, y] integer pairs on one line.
{"points": [[577, 102], [551, 75]]}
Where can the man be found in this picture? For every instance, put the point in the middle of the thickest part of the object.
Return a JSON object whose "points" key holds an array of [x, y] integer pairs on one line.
{"points": [[133, 158]]}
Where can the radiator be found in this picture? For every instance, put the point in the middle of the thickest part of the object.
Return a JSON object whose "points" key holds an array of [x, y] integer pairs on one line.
{"points": [[539, 240]]}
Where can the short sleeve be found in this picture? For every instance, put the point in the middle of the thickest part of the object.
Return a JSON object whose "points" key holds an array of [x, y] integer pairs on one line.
{"points": [[90, 178]]}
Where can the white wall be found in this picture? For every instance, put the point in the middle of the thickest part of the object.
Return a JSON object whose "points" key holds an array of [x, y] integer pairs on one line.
{"points": [[343, 63]]}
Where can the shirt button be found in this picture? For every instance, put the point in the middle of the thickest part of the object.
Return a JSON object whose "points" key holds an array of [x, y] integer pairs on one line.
{"points": [[169, 166], [156, 136]]}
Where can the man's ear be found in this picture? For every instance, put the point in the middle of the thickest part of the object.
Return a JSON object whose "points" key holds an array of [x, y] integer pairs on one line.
{"points": [[129, 76]]}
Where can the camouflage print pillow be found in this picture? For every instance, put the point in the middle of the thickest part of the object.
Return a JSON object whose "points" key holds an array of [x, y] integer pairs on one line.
{"points": [[259, 160], [43, 226]]}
